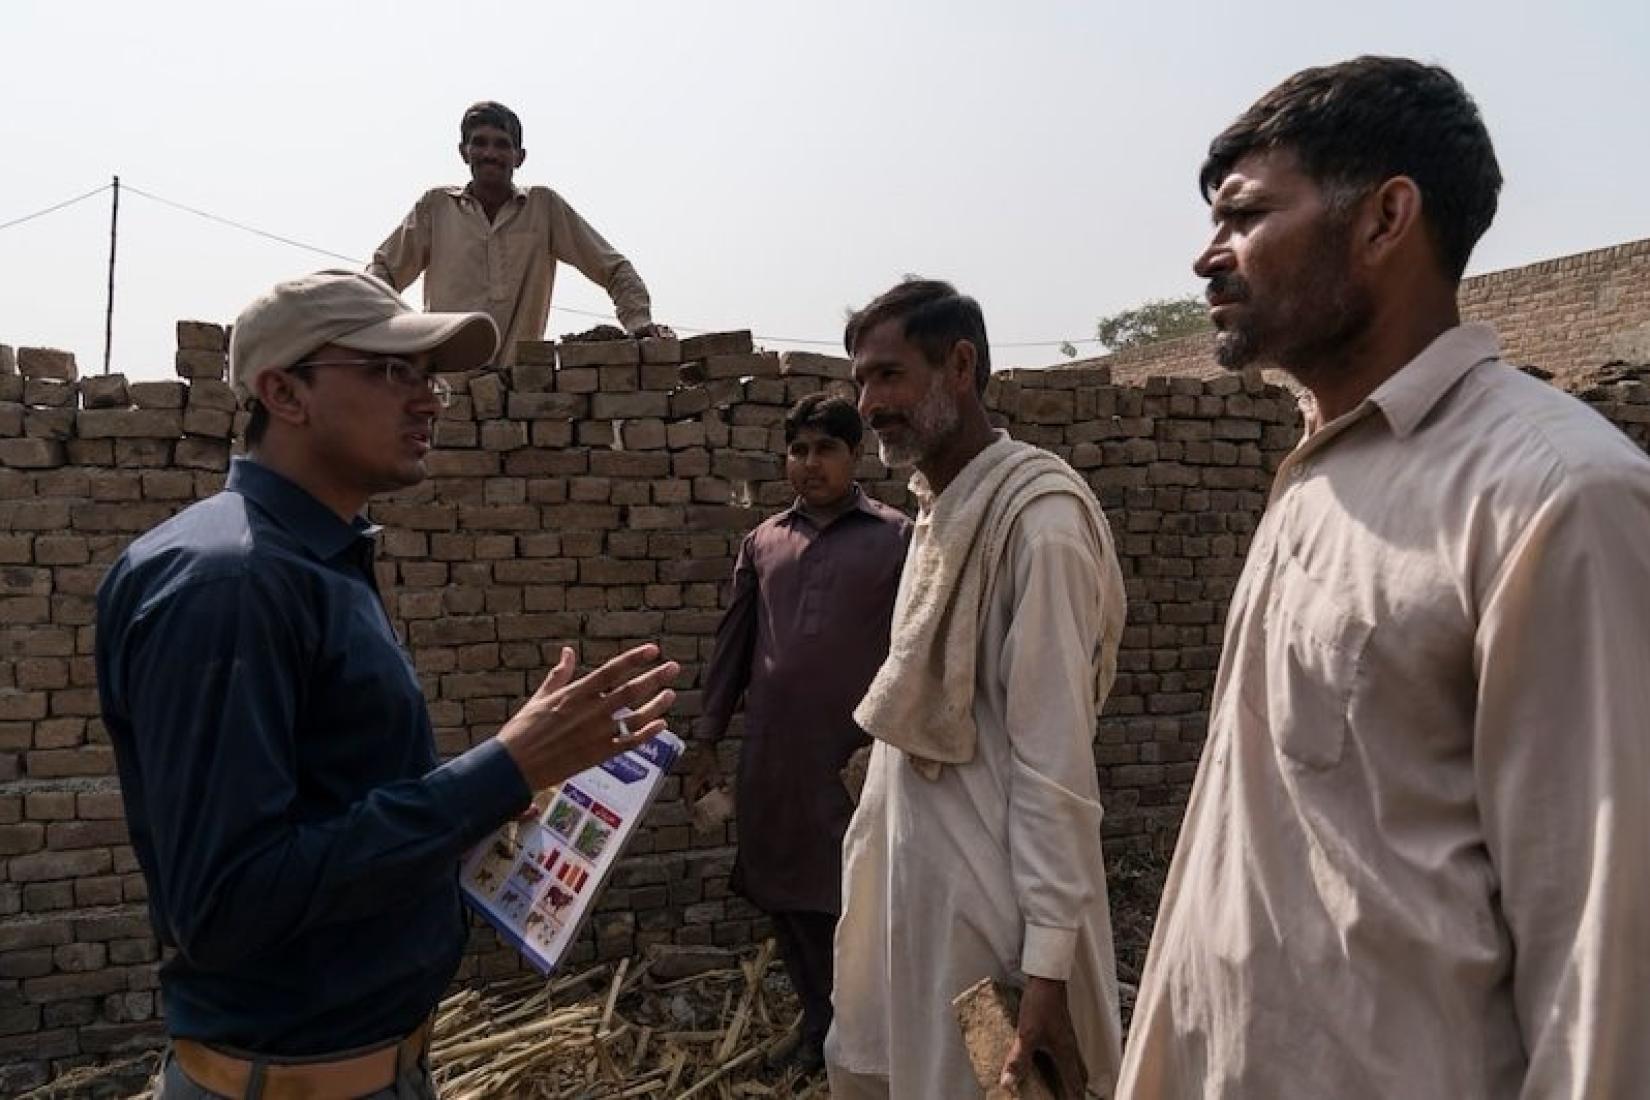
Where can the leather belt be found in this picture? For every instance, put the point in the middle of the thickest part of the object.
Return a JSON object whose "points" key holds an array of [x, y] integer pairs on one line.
{"points": [[344, 1078]]}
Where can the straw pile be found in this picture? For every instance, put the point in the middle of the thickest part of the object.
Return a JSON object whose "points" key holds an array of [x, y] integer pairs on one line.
{"points": [[680, 1023], [622, 1032]]}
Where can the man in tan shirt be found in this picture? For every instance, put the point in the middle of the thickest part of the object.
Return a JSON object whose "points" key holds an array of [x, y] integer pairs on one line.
{"points": [[492, 247], [1413, 864]]}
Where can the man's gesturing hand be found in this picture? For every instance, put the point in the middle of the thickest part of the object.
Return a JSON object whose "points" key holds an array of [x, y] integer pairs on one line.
{"points": [[567, 725], [1045, 1029]]}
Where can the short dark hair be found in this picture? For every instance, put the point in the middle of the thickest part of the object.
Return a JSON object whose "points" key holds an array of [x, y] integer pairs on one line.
{"points": [[257, 423], [835, 416], [935, 317], [489, 113], [1357, 124]]}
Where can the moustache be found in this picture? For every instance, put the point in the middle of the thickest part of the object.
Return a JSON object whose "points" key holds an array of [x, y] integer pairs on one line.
{"points": [[1227, 286], [879, 423]]}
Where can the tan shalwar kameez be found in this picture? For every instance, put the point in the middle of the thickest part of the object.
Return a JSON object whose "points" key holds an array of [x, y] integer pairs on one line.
{"points": [[995, 868], [505, 267], [1414, 863]]}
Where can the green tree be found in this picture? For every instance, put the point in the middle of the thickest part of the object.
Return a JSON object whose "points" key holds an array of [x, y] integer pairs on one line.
{"points": [[1150, 322]]}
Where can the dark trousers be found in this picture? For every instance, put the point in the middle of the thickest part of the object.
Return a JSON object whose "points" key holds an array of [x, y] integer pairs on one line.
{"points": [[806, 941]]}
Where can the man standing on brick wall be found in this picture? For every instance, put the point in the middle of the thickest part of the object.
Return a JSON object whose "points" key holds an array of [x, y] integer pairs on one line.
{"points": [[298, 837], [1413, 861], [492, 246], [813, 593], [975, 850]]}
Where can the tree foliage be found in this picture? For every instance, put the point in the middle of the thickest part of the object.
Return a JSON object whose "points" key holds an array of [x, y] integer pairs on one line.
{"points": [[1152, 321]]}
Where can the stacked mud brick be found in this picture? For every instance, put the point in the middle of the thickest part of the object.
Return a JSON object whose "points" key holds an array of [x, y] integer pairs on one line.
{"points": [[85, 464], [1181, 467], [594, 495]]}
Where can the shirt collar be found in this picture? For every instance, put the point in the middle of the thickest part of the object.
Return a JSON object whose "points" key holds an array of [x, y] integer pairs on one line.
{"points": [[462, 193], [312, 523], [862, 503], [1410, 394]]}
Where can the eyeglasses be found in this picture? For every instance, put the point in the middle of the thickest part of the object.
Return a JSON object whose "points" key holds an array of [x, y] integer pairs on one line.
{"points": [[399, 373]]}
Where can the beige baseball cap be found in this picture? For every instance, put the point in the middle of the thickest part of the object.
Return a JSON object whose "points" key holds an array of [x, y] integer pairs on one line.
{"points": [[353, 310]]}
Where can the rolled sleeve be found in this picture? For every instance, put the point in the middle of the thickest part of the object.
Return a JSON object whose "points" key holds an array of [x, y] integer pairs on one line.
{"points": [[1048, 952]]}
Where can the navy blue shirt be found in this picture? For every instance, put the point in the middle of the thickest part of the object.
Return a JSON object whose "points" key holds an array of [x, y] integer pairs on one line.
{"points": [[299, 839]]}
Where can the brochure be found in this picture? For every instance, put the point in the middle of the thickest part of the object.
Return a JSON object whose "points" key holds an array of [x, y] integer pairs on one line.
{"points": [[536, 878]]}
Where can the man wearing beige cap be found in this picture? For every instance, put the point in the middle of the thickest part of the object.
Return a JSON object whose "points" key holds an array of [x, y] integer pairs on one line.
{"points": [[299, 838]]}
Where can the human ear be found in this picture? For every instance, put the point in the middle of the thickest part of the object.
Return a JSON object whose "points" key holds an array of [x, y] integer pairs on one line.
{"points": [[960, 363], [1390, 216], [281, 396]]}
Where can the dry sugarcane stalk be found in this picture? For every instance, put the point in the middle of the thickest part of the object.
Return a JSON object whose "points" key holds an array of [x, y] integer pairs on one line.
{"points": [[79, 1081], [526, 1010], [637, 973], [640, 1050], [724, 974], [695, 1036], [753, 982], [676, 1069], [569, 1040], [605, 1056], [613, 991], [574, 981], [498, 1042], [719, 1072]]}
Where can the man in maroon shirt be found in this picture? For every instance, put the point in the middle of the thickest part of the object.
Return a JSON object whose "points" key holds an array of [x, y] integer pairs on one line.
{"points": [[813, 595]]}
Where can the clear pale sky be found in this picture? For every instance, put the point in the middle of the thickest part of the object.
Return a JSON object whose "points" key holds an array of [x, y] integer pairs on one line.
{"points": [[765, 164]]}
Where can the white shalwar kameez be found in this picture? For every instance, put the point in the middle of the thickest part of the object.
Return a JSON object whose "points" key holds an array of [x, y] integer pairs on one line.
{"points": [[994, 869]]}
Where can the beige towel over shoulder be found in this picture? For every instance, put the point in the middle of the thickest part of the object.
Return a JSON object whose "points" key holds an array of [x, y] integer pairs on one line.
{"points": [[922, 700]]}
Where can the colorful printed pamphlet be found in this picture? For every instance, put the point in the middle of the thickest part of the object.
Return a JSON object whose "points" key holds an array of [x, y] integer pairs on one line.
{"points": [[536, 879]]}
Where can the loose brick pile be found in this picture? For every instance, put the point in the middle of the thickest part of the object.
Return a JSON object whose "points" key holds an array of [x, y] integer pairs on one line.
{"points": [[594, 495]]}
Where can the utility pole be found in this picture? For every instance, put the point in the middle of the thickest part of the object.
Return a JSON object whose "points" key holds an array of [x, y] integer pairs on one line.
{"points": [[109, 313]]}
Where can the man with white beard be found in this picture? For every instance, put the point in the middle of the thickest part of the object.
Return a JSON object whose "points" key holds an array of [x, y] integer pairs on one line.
{"points": [[975, 850]]}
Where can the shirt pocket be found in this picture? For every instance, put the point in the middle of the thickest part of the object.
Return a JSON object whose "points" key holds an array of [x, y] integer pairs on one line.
{"points": [[1314, 655]]}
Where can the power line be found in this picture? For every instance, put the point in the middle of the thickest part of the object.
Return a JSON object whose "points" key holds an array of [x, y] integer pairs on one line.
{"points": [[294, 243], [55, 207], [1051, 343], [242, 226]]}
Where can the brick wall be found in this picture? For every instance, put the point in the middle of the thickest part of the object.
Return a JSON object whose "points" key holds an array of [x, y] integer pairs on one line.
{"points": [[1566, 315], [594, 495]]}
